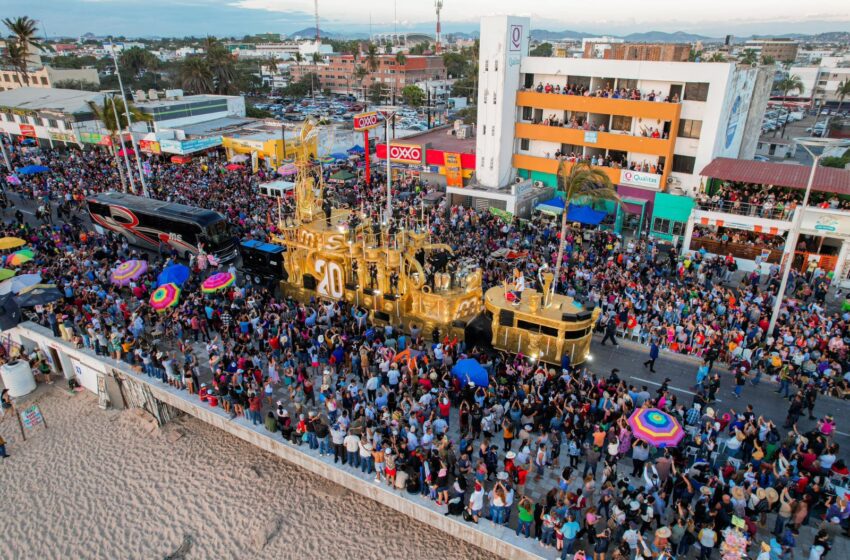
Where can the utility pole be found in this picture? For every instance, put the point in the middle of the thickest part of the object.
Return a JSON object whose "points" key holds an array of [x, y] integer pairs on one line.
{"points": [[121, 143], [129, 124], [318, 36], [438, 5]]}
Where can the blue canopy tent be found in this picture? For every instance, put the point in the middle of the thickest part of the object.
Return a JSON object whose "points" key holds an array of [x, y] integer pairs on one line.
{"points": [[174, 274], [577, 213], [32, 169], [28, 142], [339, 156], [356, 149], [470, 371]]}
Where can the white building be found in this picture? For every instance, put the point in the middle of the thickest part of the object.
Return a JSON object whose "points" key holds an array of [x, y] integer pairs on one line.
{"points": [[821, 82], [712, 110], [175, 110], [52, 117]]}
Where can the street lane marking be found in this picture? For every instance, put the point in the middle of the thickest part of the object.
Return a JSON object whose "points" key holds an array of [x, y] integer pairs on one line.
{"points": [[668, 386]]}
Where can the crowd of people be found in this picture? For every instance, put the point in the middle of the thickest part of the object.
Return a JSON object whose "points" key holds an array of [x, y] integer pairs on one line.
{"points": [[608, 91], [318, 375]]}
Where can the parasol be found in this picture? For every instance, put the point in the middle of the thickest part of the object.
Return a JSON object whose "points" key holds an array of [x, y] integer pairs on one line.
{"points": [[165, 296], [126, 152], [19, 284], [5, 274], [239, 158], [174, 274], [20, 257], [128, 271], [407, 357], [233, 166], [288, 169], [38, 296], [32, 169], [11, 243], [339, 156], [218, 281], [13, 180], [656, 427], [470, 371]]}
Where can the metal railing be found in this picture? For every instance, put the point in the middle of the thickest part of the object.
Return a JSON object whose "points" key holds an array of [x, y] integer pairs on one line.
{"points": [[746, 209]]}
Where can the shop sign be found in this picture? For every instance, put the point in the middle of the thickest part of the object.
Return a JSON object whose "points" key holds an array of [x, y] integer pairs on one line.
{"points": [[366, 121], [826, 222], [90, 137], [28, 130], [591, 137], [63, 137], [189, 146], [640, 179], [454, 173], [150, 146], [405, 154]]}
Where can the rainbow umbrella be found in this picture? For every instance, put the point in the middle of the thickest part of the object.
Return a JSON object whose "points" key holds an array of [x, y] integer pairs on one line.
{"points": [[165, 296], [218, 281], [128, 271], [11, 243], [5, 274], [287, 169], [656, 427], [327, 160], [20, 257]]}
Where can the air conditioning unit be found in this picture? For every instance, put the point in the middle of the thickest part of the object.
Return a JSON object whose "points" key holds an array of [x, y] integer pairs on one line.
{"points": [[673, 180], [538, 184], [518, 180]]}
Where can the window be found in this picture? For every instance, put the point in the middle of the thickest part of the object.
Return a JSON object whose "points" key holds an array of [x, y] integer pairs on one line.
{"points": [[486, 65], [661, 225], [683, 164], [491, 163], [524, 144], [493, 130], [678, 228], [486, 94], [7, 78], [689, 128], [619, 122], [527, 113], [494, 98], [44, 80], [696, 91], [495, 66], [482, 161], [483, 130]]}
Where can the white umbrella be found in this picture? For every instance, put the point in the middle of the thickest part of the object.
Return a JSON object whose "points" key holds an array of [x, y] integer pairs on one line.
{"points": [[18, 283], [240, 158]]}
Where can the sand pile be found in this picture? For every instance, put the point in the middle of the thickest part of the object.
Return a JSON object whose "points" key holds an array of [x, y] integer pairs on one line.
{"points": [[105, 484]]}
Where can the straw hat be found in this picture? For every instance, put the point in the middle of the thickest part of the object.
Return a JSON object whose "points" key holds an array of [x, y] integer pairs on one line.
{"points": [[772, 495], [663, 533], [738, 493], [761, 494], [510, 455]]}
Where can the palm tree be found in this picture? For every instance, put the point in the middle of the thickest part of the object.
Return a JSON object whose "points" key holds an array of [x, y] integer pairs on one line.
{"points": [[842, 91], [750, 58], [221, 66], [789, 83], [137, 61], [23, 36], [317, 58], [372, 57], [195, 75], [360, 73], [106, 114], [717, 57], [580, 183]]}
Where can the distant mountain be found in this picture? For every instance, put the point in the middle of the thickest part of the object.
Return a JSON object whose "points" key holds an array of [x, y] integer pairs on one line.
{"points": [[683, 37], [663, 37], [310, 33], [544, 35]]}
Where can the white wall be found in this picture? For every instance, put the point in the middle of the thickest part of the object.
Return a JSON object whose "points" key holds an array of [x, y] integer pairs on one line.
{"points": [[503, 44]]}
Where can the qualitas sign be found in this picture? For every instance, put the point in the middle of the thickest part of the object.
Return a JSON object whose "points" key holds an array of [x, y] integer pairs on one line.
{"points": [[366, 121], [640, 179]]}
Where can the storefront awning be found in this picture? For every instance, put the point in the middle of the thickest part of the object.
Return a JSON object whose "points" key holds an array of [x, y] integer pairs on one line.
{"points": [[827, 179]]}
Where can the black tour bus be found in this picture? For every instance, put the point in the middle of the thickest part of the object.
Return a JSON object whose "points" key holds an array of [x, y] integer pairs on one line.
{"points": [[147, 222]]}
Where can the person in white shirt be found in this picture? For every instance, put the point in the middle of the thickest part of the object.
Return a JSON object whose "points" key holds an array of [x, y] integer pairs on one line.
{"points": [[476, 502]]}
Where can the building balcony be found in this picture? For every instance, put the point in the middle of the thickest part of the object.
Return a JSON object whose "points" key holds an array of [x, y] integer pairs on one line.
{"points": [[550, 165], [602, 105], [603, 140]]}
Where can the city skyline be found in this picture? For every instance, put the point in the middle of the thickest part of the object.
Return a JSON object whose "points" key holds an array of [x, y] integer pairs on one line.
{"points": [[240, 17]]}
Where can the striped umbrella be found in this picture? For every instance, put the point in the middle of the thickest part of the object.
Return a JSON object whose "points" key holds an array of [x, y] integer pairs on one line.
{"points": [[20, 257], [128, 271], [656, 427], [165, 296], [218, 281]]}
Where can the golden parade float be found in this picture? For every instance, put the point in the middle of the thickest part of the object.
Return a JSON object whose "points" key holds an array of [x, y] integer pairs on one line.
{"points": [[392, 272]]}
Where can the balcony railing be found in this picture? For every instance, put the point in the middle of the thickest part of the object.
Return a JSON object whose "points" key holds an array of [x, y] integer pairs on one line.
{"points": [[746, 209], [600, 105], [593, 139]]}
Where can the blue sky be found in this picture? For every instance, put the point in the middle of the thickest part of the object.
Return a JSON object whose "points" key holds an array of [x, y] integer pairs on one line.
{"points": [[240, 17]]}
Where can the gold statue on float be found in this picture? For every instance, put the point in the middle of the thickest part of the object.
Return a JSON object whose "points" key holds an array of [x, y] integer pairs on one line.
{"points": [[390, 270]]}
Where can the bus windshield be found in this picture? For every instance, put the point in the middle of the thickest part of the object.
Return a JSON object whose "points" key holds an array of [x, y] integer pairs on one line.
{"points": [[218, 234]]}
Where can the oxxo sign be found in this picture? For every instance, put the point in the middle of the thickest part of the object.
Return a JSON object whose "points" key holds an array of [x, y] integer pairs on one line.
{"points": [[365, 121], [405, 154], [639, 179]]}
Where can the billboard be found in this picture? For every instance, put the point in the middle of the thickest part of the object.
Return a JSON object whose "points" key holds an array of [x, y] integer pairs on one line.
{"points": [[401, 153], [640, 179], [28, 130], [454, 173], [366, 121]]}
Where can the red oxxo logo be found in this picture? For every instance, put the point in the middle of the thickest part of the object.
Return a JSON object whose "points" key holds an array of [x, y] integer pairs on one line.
{"points": [[406, 153]]}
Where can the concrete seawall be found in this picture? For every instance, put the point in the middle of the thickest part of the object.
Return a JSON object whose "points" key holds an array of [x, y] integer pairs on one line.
{"points": [[498, 540]]}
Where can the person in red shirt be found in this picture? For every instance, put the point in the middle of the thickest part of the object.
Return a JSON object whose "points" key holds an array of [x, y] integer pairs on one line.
{"points": [[255, 408]]}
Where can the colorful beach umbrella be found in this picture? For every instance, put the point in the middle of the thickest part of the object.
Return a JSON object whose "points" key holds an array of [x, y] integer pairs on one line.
{"points": [[327, 159], [656, 427], [470, 371], [174, 274], [126, 152], [5, 274], [288, 169], [20, 257], [13, 180], [128, 271], [165, 296], [218, 281], [32, 169], [11, 243], [19, 284], [339, 156], [233, 166]]}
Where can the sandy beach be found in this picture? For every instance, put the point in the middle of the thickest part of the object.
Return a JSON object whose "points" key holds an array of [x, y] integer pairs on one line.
{"points": [[99, 484]]}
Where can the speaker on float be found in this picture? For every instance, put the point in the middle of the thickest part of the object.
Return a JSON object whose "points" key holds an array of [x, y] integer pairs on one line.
{"points": [[309, 282], [506, 318]]}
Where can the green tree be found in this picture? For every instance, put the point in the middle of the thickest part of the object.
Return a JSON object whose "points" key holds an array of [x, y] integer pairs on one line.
{"points": [[413, 95], [372, 57], [717, 57], [543, 49], [81, 85], [221, 66], [842, 91], [694, 55], [840, 162], [400, 59], [789, 83], [21, 44], [106, 113], [375, 93], [584, 184], [420, 48], [768, 60], [195, 75], [749, 57], [468, 114], [457, 65], [255, 113], [360, 74], [136, 61]]}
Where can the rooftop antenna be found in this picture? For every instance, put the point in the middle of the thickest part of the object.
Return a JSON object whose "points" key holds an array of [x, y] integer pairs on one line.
{"points": [[438, 4], [318, 36]]}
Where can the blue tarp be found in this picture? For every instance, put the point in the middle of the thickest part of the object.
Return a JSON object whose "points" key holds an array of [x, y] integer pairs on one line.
{"points": [[583, 214], [339, 156], [174, 274], [470, 370], [356, 150], [32, 169]]}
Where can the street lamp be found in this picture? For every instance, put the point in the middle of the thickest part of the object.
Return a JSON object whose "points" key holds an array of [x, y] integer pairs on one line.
{"points": [[129, 122], [388, 112], [809, 144]]}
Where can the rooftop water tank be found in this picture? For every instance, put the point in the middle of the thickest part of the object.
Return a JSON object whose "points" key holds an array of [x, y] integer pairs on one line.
{"points": [[18, 378]]}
